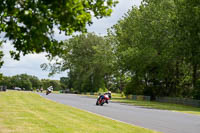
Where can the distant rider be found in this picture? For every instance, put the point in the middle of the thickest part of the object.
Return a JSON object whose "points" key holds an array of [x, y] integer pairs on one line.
{"points": [[49, 90]]}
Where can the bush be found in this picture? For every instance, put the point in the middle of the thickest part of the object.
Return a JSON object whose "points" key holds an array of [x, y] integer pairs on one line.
{"points": [[101, 90], [134, 87], [72, 89], [122, 94]]}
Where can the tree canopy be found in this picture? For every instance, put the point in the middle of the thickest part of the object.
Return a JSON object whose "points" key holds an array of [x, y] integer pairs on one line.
{"points": [[30, 24], [158, 43], [88, 58]]}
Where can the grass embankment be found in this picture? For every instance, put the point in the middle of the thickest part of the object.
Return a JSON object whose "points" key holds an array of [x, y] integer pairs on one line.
{"points": [[26, 112], [157, 105]]}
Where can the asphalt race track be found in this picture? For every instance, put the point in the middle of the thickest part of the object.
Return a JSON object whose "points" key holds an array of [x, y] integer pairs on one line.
{"points": [[159, 120]]}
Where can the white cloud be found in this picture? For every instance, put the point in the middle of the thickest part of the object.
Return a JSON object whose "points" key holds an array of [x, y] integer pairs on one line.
{"points": [[30, 64], [100, 26], [60, 36]]}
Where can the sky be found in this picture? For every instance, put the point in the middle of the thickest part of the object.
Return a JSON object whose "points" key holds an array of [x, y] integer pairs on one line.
{"points": [[30, 64]]}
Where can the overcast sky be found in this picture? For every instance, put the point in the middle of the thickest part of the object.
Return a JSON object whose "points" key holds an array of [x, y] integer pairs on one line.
{"points": [[30, 64]]}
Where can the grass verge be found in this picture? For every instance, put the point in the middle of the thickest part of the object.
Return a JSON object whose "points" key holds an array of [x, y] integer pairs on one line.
{"points": [[26, 112]]}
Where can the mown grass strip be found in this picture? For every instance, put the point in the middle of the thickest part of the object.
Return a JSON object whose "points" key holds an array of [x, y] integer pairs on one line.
{"points": [[26, 112]]}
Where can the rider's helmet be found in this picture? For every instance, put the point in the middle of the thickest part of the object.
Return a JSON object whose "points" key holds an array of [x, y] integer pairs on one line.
{"points": [[109, 94]]}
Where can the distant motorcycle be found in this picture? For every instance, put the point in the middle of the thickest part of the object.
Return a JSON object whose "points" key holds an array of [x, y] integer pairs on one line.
{"points": [[102, 99], [49, 90]]}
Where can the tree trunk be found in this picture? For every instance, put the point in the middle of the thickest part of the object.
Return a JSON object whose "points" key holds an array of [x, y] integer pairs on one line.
{"points": [[177, 79], [194, 76]]}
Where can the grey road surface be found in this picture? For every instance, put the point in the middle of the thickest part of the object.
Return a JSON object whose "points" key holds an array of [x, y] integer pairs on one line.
{"points": [[159, 120]]}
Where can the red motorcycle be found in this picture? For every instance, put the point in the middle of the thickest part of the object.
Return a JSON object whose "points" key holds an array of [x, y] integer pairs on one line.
{"points": [[102, 99]]}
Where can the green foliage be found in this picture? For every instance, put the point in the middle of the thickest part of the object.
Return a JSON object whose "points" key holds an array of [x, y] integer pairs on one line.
{"points": [[30, 24], [29, 82], [196, 92], [5, 81], [21, 81], [135, 86], [64, 81], [188, 35], [72, 89], [102, 90], [140, 44], [25, 81], [1, 76], [122, 94], [54, 83], [157, 44], [88, 60], [35, 82]]}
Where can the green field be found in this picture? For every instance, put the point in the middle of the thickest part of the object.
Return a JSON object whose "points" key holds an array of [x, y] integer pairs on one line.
{"points": [[27, 112]]}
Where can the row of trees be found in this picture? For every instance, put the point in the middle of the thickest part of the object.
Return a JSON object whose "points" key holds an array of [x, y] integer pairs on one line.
{"points": [[29, 82], [153, 50], [158, 44]]}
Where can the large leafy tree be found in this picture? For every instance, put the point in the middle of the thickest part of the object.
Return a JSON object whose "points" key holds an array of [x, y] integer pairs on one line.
{"points": [[157, 44], [6, 81], [30, 24], [35, 82], [88, 60], [188, 36], [143, 46]]}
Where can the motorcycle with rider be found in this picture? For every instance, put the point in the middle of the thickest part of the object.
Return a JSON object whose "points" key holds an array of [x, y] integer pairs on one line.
{"points": [[49, 90], [103, 98]]}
